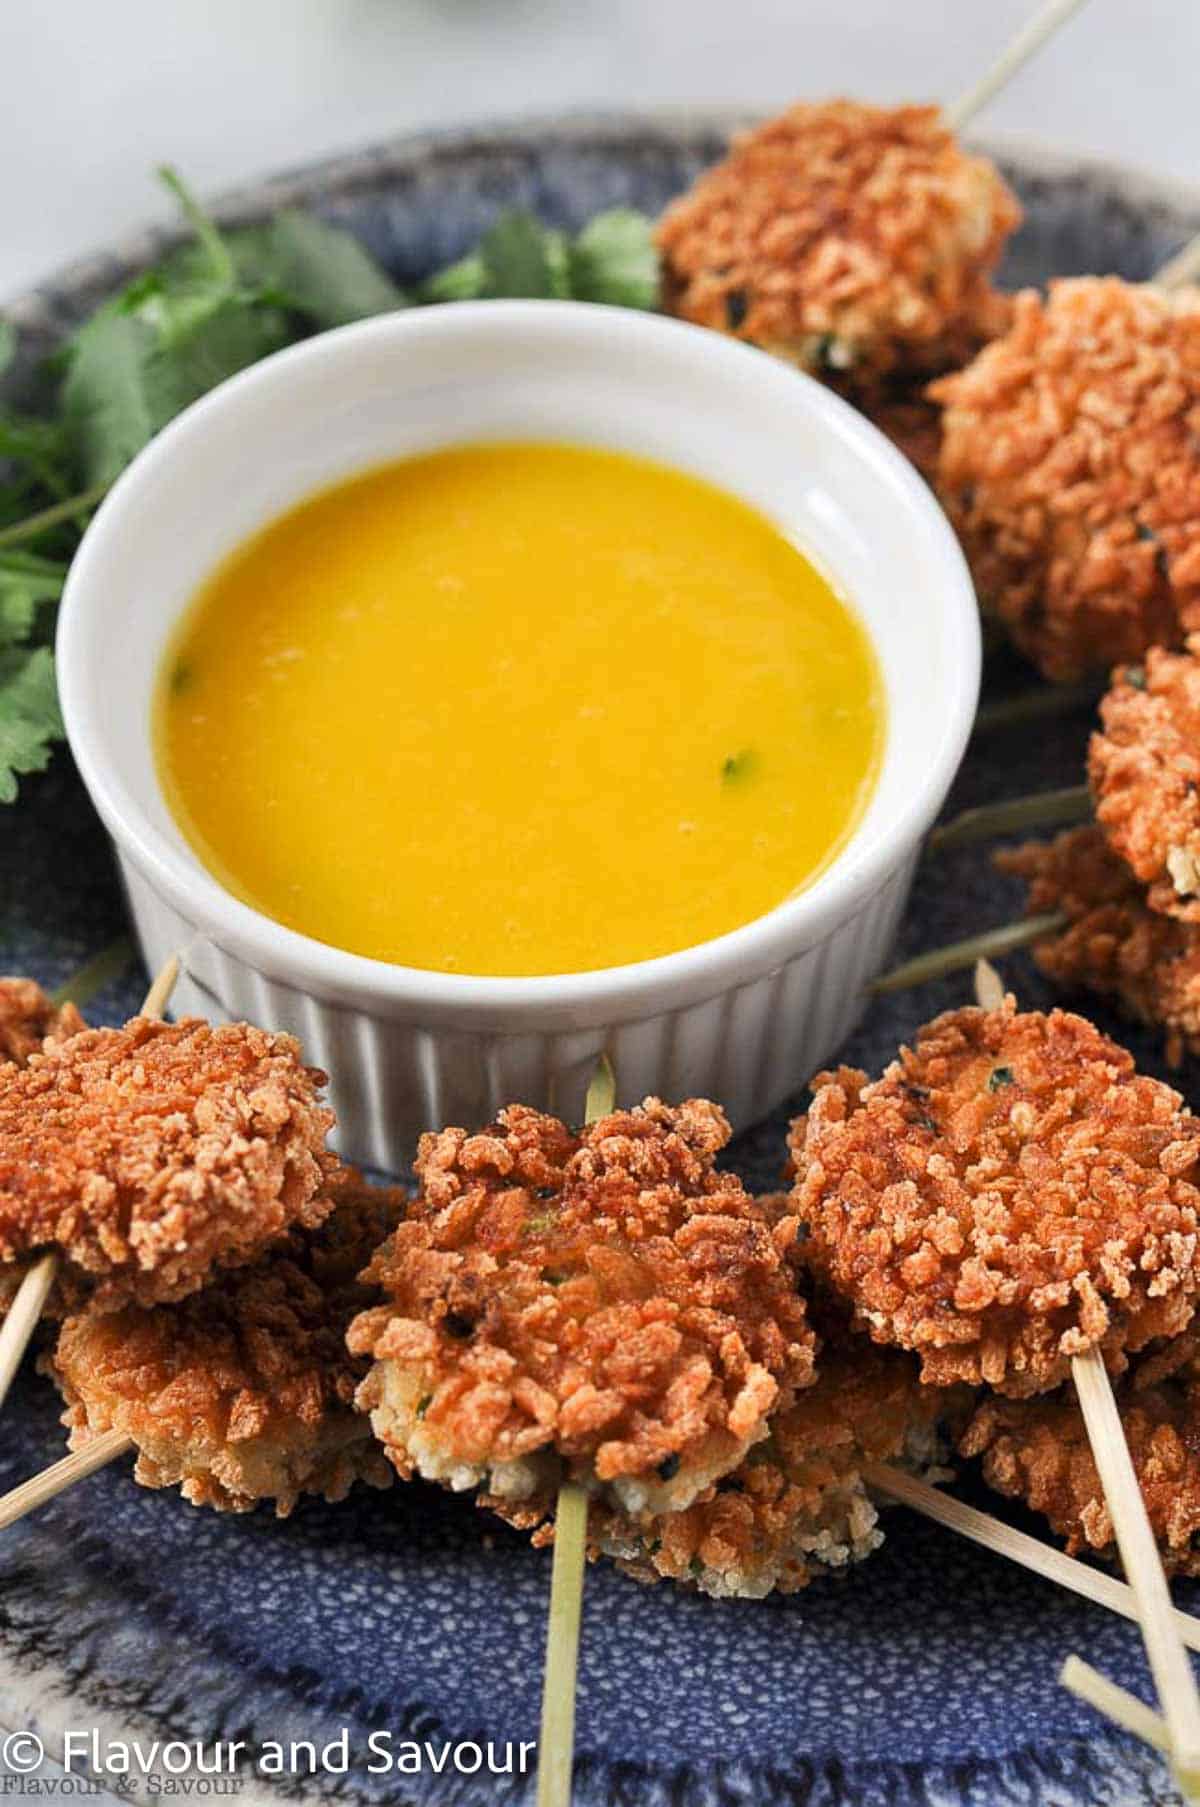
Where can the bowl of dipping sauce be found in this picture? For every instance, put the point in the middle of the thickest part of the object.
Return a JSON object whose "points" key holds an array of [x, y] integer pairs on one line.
{"points": [[476, 690]]}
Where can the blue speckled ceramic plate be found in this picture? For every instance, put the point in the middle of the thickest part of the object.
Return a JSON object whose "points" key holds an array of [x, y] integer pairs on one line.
{"points": [[926, 1676]]}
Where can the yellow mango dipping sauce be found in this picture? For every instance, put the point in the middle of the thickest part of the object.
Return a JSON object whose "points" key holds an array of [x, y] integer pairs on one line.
{"points": [[518, 709]]}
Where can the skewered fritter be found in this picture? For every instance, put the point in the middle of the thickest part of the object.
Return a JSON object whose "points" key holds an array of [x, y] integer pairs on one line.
{"points": [[243, 1391], [1069, 465], [1037, 1451], [1144, 770], [27, 1017], [148, 1155], [1113, 944], [855, 241], [603, 1305], [798, 1506], [1010, 1194]]}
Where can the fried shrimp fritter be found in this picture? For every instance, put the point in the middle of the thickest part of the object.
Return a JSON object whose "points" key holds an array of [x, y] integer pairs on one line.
{"points": [[798, 1506], [1144, 769], [27, 1018], [851, 240], [604, 1304], [1113, 944], [1070, 468], [243, 1391], [150, 1154], [1037, 1451], [1008, 1195]]}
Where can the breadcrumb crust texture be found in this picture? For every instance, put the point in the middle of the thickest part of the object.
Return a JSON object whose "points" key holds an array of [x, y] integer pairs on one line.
{"points": [[1037, 1451], [868, 226], [27, 1017], [1069, 467], [1113, 942], [1009, 1194], [1144, 770], [151, 1153], [607, 1295], [244, 1390]]}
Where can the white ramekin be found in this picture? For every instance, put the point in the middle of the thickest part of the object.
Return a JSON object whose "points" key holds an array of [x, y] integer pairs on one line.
{"points": [[743, 1019]]}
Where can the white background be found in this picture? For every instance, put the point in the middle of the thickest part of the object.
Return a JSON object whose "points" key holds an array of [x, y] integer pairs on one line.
{"points": [[95, 92]]}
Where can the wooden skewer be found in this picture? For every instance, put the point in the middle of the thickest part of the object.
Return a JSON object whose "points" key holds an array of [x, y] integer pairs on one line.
{"points": [[1033, 705], [993, 1534], [1117, 1704], [1044, 809], [1182, 269], [54, 1480], [957, 956], [1169, 1665], [989, 986], [556, 1748], [931, 1502], [34, 1290], [1032, 35], [98, 972]]}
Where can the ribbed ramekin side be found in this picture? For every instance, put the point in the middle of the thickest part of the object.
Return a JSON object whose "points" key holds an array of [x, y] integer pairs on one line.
{"points": [[748, 1046]]}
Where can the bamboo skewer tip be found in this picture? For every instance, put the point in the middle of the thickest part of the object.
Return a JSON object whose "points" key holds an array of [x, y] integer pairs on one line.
{"points": [[1000, 1539], [1173, 1679], [556, 1751], [1028, 40], [1140, 1557], [1116, 1703], [41, 1488], [989, 986]]}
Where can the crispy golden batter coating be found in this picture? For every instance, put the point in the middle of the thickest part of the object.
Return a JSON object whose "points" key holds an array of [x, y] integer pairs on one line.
{"points": [[1144, 769], [1037, 1451], [150, 1154], [27, 1017], [605, 1301], [1009, 1194], [1070, 468], [243, 1391], [798, 1506], [847, 238], [1114, 943]]}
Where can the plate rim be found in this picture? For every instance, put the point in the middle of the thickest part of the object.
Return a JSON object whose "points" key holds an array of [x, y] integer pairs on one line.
{"points": [[245, 202]]}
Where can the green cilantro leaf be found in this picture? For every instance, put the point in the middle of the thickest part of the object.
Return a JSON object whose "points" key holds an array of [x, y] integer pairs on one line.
{"points": [[614, 259], [518, 259], [29, 719], [105, 402], [213, 305], [217, 345], [26, 582], [322, 272], [465, 280], [521, 259], [738, 766]]}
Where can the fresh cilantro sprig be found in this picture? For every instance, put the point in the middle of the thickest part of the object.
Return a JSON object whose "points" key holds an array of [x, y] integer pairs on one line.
{"points": [[613, 259], [211, 307]]}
